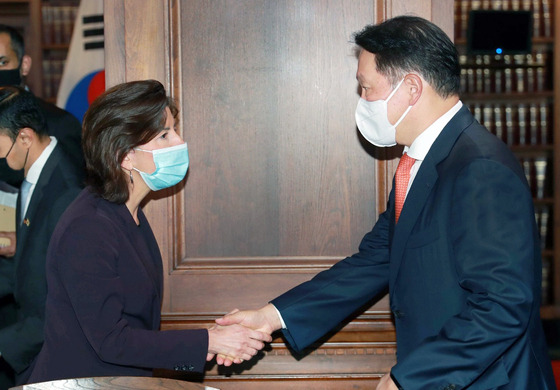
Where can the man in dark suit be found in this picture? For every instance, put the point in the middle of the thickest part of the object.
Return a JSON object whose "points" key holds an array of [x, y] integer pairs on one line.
{"points": [[15, 65], [461, 258], [51, 183]]}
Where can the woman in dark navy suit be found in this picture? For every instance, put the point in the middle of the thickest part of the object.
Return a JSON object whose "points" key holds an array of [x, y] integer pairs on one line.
{"points": [[104, 269]]}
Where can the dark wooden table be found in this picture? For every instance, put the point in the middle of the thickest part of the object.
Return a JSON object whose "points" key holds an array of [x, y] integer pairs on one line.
{"points": [[119, 383]]}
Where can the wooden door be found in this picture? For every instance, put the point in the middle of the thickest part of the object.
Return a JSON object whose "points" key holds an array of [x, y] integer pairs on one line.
{"points": [[281, 185]]}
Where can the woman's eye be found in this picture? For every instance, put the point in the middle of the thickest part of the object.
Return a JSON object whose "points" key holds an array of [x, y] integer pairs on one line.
{"points": [[164, 136]]}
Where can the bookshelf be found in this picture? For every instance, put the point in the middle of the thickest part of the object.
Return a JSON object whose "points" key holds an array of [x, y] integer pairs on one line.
{"points": [[46, 26], [516, 97], [57, 24]]}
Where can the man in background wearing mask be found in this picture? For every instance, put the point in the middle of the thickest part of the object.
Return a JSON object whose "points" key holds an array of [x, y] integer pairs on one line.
{"points": [[14, 66], [50, 184], [457, 246]]}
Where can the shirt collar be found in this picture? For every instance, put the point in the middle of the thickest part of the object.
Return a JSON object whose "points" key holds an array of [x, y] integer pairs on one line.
{"points": [[422, 144], [36, 168]]}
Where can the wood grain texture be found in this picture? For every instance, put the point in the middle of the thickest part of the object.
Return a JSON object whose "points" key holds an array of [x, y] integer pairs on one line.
{"points": [[120, 383], [281, 185]]}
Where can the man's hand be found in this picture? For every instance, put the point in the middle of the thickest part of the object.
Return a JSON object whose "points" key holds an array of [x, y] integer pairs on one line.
{"points": [[10, 249], [386, 383], [264, 320], [235, 341]]}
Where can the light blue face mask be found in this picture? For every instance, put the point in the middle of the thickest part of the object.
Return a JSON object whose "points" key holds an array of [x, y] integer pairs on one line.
{"points": [[171, 167]]}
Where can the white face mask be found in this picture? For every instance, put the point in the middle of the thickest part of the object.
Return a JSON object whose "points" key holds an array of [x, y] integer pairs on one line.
{"points": [[373, 121]]}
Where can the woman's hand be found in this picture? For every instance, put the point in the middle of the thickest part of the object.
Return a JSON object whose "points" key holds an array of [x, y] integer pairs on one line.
{"points": [[235, 341]]}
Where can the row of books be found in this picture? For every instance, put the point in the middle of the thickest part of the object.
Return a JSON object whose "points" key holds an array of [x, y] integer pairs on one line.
{"points": [[58, 23], [545, 224], [507, 74], [542, 13], [538, 171], [546, 283], [539, 57], [516, 124], [53, 66]]}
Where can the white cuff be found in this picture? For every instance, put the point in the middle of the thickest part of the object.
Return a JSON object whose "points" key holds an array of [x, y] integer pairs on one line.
{"points": [[280, 316]]}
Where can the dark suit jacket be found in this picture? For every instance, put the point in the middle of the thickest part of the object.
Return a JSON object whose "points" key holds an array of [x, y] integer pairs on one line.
{"points": [[463, 267], [105, 280], [57, 186], [67, 129]]}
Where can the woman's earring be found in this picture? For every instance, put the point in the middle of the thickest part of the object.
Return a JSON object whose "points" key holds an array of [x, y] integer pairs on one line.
{"points": [[131, 180]]}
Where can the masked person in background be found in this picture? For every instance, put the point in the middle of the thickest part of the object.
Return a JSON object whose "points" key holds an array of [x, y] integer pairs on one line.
{"points": [[15, 65], [50, 185], [104, 268]]}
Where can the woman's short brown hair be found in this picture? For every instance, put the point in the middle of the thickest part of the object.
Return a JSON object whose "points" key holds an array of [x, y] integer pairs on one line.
{"points": [[123, 117]]}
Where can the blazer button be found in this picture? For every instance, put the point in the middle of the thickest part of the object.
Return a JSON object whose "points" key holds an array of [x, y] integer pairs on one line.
{"points": [[398, 314]]}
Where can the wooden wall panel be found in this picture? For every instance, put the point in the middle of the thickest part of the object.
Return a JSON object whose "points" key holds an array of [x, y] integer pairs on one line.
{"points": [[281, 185], [279, 181]]}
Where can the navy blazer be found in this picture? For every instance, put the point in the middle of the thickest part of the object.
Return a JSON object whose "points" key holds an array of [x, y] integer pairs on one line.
{"points": [[463, 267], [56, 188], [105, 282]]}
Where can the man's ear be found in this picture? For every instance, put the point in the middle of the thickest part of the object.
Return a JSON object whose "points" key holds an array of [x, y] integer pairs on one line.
{"points": [[26, 137], [414, 84], [25, 65]]}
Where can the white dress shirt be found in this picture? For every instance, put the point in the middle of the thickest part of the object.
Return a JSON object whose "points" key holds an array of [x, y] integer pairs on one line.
{"points": [[35, 171], [422, 144]]}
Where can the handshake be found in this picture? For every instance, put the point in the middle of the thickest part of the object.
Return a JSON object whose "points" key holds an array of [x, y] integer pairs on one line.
{"points": [[239, 335]]}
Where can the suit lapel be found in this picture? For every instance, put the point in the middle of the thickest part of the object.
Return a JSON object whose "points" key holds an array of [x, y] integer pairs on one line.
{"points": [[37, 197], [416, 199], [423, 185]]}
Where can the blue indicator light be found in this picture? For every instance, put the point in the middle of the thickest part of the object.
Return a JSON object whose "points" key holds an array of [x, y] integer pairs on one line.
{"points": [[499, 50]]}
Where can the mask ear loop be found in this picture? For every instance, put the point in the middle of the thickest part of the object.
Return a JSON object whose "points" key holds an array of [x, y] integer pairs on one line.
{"points": [[402, 116], [394, 90], [26, 155], [11, 147], [131, 179], [391, 95]]}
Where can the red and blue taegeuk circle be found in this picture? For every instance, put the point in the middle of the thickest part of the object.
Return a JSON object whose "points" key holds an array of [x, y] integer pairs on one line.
{"points": [[84, 92]]}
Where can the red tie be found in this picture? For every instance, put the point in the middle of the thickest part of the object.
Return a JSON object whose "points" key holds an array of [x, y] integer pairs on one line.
{"points": [[401, 182]]}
